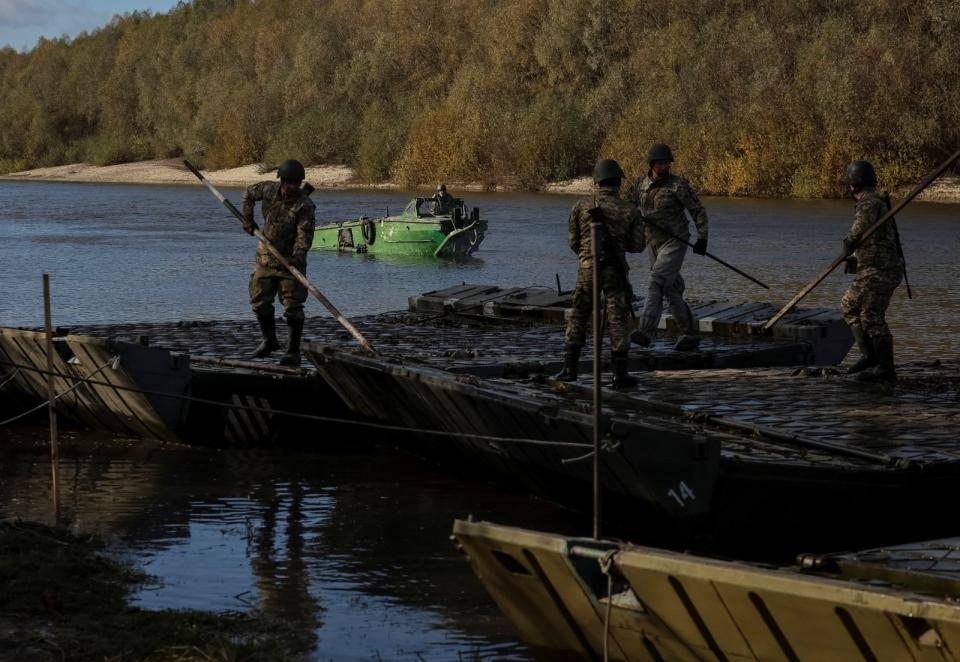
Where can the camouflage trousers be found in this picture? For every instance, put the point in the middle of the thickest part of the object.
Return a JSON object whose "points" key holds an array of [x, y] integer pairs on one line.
{"points": [[866, 300], [265, 283], [616, 289], [666, 259]]}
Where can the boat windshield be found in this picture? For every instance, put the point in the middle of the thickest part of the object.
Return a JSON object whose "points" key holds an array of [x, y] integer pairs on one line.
{"points": [[421, 207]]}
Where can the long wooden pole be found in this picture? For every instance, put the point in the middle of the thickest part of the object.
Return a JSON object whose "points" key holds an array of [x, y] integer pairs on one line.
{"points": [[596, 229], [867, 233], [51, 402], [344, 322]]}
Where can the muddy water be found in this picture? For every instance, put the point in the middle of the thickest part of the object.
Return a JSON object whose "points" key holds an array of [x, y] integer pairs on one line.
{"points": [[353, 545]]}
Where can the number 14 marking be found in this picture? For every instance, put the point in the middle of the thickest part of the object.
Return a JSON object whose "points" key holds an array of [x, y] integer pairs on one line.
{"points": [[682, 494]]}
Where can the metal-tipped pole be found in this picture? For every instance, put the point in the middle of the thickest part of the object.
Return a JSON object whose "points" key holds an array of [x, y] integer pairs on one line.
{"points": [[596, 231], [337, 315], [708, 254], [51, 402]]}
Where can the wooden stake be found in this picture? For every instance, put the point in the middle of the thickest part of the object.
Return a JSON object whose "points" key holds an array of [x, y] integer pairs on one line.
{"points": [[51, 403], [596, 230]]}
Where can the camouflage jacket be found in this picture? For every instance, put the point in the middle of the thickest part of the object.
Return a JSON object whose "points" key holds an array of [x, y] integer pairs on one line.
{"points": [[289, 222], [443, 203], [622, 226], [663, 201], [879, 251]]}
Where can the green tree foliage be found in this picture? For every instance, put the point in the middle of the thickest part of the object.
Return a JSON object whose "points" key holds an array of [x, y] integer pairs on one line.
{"points": [[768, 98]]}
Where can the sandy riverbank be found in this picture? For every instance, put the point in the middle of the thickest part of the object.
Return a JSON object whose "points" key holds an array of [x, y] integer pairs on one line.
{"points": [[172, 171]]}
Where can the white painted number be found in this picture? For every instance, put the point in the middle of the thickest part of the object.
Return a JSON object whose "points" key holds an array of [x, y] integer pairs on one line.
{"points": [[682, 494]]}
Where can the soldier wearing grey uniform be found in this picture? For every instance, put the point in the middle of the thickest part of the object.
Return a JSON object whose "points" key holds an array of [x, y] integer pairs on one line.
{"points": [[879, 269], [664, 199], [289, 217], [622, 231]]}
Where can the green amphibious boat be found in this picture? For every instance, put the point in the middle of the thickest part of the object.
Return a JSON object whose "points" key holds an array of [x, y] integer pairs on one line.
{"points": [[424, 228]]}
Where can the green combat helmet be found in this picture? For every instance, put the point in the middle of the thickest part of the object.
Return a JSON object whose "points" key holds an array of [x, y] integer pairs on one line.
{"points": [[291, 169], [441, 188], [607, 170], [659, 152], [861, 173]]}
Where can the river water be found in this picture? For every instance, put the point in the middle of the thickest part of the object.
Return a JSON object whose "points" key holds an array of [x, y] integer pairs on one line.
{"points": [[118, 253], [355, 544]]}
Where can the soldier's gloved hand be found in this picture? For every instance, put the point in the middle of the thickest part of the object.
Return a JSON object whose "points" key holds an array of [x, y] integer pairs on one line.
{"points": [[700, 248], [850, 265], [848, 247], [596, 214], [249, 226], [299, 259]]}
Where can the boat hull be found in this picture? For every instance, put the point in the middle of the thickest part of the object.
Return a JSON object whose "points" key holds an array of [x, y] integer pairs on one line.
{"points": [[401, 236], [669, 606], [706, 487], [128, 387], [540, 445]]}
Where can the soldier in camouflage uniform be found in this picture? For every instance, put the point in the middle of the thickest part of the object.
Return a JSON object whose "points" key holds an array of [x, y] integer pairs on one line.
{"points": [[442, 201], [663, 198], [622, 230], [879, 270], [289, 217]]}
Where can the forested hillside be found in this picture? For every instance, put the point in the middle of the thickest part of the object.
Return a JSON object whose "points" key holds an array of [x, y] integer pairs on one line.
{"points": [[771, 97]]}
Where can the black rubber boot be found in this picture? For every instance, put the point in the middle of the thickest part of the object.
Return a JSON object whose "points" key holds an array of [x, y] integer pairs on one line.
{"points": [[686, 343], [292, 357], [268, 327], [884, 371], [571, 359], [638, 337], [621, 378], [865, 344]]}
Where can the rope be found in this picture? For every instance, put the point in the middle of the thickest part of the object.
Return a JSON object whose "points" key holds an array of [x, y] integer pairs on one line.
{"points": [[605, 565], [294, 414], [26, 413], [10, 377], [80, 382], [607, 444], [579, 458]]}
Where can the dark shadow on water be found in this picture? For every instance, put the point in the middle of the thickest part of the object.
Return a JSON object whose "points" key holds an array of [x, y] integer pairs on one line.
{"points": [[417, 261], [335, 542]]}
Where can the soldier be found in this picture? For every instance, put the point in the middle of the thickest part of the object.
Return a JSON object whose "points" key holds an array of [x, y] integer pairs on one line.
{"points": [[622, 231], [662, 198], [289, 219], [442, 201], [879, 270]]}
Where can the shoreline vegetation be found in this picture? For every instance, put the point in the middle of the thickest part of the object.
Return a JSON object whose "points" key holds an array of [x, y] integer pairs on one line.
{"points": [[65, 598], [768, 99], [330, 177]]}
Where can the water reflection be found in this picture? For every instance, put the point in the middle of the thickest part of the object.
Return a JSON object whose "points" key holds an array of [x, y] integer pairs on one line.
{"points": [[422, 263], [354, 546]]}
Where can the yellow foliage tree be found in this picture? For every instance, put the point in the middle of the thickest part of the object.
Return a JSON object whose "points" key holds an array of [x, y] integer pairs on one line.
{"points": [[767, 98]]}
